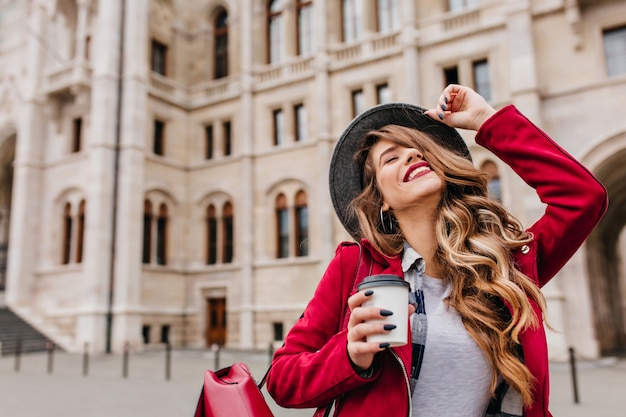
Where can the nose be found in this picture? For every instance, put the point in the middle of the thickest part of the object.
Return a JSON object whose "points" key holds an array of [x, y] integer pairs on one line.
{"points": [[413, 155]]}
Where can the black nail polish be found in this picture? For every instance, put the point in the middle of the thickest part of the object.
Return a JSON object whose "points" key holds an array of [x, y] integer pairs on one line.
{"points": [[384, 345], [368, 293], [389, 326], [446, 99], [443, 106], [440, 116], [385, 313]]}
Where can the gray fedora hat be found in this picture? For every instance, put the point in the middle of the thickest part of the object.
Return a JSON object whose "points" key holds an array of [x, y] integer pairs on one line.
{"points": [[345, 174]]}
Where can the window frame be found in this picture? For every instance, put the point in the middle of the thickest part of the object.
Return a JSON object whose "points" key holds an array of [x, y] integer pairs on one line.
{"points": [[220, 45], [158, 137], [275, 47], [607, 35], [278, 127], [158, 57]]}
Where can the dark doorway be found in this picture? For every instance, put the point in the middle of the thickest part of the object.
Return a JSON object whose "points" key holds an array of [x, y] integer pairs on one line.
{"points": [[215, 332]]}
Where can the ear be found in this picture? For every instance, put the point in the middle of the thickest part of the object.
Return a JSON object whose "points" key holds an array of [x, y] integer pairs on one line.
{"points": [[385, 207]]}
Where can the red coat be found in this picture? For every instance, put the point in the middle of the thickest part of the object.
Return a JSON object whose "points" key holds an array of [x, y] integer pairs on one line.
{"points": [[312, 368]]}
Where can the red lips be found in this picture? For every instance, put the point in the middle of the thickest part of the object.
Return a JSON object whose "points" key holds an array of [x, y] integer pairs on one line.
{"points": [[412, 169]]}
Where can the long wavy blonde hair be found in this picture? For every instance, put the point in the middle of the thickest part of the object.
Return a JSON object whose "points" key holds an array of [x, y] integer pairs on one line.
{"points": [[475, 240]]}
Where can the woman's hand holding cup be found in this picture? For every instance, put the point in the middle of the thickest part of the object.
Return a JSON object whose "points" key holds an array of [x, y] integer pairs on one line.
{"points": [[378, 318]]}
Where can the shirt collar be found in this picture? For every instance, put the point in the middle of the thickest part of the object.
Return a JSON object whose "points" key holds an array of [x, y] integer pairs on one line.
{"points": [[410, 257]]}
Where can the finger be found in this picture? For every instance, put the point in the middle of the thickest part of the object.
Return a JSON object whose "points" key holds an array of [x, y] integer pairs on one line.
{"points": [[362, 314], [362, 330], [412, 309], [359, 298]]}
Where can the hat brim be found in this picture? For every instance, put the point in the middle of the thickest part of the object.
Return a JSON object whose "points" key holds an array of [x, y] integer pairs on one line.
{"points": [[345, 174]]}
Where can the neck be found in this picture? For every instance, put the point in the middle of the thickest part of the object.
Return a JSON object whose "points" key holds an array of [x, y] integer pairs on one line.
{"points": [[419, 231]]}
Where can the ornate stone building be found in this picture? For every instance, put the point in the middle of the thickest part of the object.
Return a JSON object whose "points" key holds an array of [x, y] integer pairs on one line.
{"points": [[164, 162]]}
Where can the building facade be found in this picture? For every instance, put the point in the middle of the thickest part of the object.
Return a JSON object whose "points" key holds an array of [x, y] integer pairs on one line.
{"points": [[164, 162]]}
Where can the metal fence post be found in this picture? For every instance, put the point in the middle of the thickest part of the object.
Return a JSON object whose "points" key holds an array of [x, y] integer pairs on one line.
{"points": [[86, 359], [572, 361], [50, 350], [125, 360], [168, 361]]}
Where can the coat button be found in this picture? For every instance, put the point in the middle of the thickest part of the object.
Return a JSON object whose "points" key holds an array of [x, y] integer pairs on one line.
{"points": [[525, 249]]}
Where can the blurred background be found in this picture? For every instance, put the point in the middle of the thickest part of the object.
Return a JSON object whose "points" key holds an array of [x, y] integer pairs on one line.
{"points": [[164, 163]]}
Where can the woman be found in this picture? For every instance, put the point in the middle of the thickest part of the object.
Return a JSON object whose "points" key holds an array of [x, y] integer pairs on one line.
{"points": [[403, 184]]}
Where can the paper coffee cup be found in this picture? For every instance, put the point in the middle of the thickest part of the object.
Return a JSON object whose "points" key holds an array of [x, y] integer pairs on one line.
{"points": [[391, 292]]}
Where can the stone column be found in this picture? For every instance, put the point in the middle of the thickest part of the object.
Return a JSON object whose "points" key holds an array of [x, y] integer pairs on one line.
{"points": [[81, 30], [322, 245], [25, 229], [244, 231], [128, 242], [91, 322], [524, 84], [410, 42]]}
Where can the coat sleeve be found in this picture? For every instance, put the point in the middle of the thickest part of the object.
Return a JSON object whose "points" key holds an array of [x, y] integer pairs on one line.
{"points": [[575, 199], [313, 368]]}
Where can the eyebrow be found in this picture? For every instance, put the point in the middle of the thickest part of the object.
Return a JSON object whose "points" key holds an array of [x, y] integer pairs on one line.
{"points": [[391, 148]]}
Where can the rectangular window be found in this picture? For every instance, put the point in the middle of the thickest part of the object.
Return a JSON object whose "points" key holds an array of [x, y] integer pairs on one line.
{"points": [[165, 334], [302, 231], [147, 238], [77, 133], [615, 51], [279, 332], [300, 116], [161, 249], [383, 94], [482, 85], [158, 58], [279, 127], [352, 20], [159, 138], [451, 75], [227, 138], [212, 243], [282, 217], [145, 333], [67, 238], [358, 102], [305, 19], [208, 140], [388, 15], [228, 239], [454, 5]]}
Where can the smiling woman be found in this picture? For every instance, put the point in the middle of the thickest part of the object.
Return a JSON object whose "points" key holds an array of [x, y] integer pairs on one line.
{"points": [[404, 186]]}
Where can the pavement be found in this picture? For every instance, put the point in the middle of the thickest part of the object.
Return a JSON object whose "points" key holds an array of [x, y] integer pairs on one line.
{"points": [[65, 385]]}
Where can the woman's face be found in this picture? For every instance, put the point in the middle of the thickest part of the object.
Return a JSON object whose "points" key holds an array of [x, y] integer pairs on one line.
{"points": [[404, 178]]}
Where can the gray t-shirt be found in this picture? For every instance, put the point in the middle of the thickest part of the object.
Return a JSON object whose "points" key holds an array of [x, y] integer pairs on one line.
{"points": [[455, 374]]}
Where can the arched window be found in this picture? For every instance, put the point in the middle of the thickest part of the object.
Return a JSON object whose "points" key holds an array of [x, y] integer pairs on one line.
{"points": [[147, 231], [67, 234], [161, 236], [352, 20], [221, 44], [302, 224], [211, 220], [305, 23], [227, 227], [275, 31], [80, 232], [493, 186], [282, 227], [388, 15]]}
